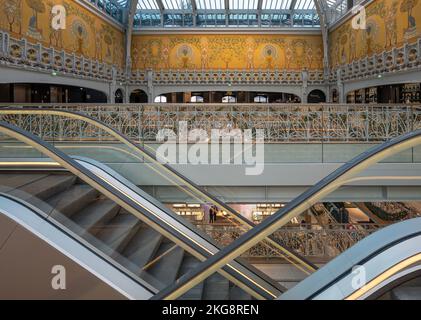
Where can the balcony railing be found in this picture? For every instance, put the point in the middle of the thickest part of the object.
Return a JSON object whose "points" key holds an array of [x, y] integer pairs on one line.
{"points": [[232, 77], [35, 56], [307, 239], [281, 123], [406, 57], [23, 54]]}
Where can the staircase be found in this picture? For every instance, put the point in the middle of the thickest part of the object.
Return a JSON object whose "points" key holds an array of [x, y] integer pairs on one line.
{"points": [[114, 231]]}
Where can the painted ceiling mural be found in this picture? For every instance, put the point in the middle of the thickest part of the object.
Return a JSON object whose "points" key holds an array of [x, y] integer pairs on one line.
{"points": [[205, 52], [389, 23], [85, 34]]}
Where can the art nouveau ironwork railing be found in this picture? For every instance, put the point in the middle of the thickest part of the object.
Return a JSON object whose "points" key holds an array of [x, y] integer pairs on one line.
{"points": [[309, 240], [281, 123], [256, 77], [24, 54], [406, 57]]}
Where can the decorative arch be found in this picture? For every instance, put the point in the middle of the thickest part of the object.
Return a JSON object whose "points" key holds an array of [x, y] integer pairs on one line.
{"points": [[138, 96], [316, 96]]}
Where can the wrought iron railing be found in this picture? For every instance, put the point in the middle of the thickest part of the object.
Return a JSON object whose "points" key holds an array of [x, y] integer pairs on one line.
{"points": [[233, 77], [22, 53], [406, 57], [281, 123], [309, 240]]}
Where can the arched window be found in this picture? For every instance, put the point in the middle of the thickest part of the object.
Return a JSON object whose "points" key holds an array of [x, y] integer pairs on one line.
{"points": [[160, 99], [197, 99], [316, 96], [138, 96], [229, 99], [260, 99]]}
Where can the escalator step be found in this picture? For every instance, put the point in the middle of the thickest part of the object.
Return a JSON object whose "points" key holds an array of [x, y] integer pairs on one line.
{"points": [[189, 263], [142, 247], [237, 293], [216, 288], [93, 218], [118, 232], [73, 200], [44, 188], [165, 270], [10, 181]]}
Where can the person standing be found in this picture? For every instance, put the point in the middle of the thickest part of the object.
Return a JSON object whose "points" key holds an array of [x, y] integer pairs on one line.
{"points": [[211, 214], [215, 213]]}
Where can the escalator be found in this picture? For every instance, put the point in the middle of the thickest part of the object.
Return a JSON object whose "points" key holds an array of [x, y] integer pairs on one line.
{"points": [[91, 215], [398, 248], [80, 135], [375, 265], [102, 211]]}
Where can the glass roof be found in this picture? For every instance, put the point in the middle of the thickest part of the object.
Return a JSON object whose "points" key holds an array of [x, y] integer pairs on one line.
{"points": [[276, 4], [147, 5], [210, 4], [224, 13], [335, 9], [113, 8]]}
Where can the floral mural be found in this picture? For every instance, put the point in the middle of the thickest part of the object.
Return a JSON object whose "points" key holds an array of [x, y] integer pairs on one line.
{"points": [[86, 33], [390, 23], [13, 14], [220, 52]]}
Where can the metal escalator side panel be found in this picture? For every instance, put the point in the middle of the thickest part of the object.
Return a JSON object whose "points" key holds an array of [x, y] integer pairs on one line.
{"points": [[394, 281], [368, 253], [72, 249]]}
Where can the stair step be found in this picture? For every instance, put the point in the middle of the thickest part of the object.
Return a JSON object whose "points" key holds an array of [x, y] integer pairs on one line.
{"points": [[10, 181], [165, 270], [73, 200], [189, 263], [118, 232], [237, 293], [142, 247], [216, 288], [93, 218], [44, 188]]}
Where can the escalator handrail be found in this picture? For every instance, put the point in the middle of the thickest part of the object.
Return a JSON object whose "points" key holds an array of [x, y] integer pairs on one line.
{"points": [[363, 251], [294, 208], [119, 136], [90, 178], [176, 217], [42, 215]]}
